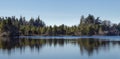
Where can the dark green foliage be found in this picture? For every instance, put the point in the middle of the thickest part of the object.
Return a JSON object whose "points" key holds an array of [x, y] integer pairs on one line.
{"points": [[92, 26], [7, 27], [24, 27], [88, 26]]}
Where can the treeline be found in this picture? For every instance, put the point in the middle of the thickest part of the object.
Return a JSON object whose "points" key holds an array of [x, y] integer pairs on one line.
{"points": [[35, 26], [94, 26]]}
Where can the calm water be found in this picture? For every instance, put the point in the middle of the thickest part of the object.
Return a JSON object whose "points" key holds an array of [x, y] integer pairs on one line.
{"points": [[60, 47]]}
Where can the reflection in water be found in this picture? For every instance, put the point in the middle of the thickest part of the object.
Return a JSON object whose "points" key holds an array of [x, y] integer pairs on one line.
{"points": [[86, 45]]}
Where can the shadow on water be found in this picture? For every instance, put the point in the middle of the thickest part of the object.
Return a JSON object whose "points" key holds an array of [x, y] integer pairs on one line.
{"points": [[88, 46]]}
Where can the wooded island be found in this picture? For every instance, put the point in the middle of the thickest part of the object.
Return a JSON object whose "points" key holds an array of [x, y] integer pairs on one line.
{"points": [[12, 26]]}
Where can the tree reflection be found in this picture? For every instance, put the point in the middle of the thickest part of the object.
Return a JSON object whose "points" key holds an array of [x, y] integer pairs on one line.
{"points": [[92, 45], [89, 46]]}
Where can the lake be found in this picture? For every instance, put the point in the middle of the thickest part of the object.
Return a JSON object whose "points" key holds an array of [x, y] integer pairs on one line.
{"points": [[60, 47]]}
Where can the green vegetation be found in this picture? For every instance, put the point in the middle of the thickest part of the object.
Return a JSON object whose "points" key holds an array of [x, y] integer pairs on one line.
{"points": [[11, 26]]}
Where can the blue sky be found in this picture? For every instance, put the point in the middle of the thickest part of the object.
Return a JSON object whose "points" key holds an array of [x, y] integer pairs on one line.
{"points": [[56, 12]]}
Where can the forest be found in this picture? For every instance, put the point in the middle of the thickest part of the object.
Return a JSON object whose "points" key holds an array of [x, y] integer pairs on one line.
{"points": [[12, 26]]}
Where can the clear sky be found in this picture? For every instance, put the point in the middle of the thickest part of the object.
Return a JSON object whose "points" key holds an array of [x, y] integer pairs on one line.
{"points": [[58, 12]]}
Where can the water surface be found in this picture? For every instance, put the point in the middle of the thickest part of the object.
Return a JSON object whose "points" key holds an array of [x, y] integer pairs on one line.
{"points": [[60, 47]]}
